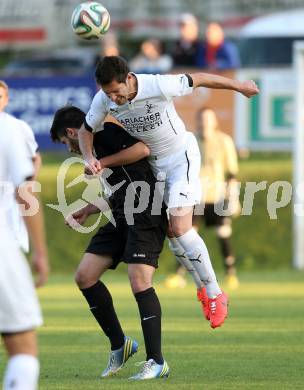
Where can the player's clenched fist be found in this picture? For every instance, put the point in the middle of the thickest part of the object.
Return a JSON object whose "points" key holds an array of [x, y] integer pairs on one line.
{"points": [[249, 88], [92, 165]]}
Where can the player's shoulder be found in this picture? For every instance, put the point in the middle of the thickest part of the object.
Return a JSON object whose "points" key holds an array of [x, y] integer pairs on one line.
{"points": [[151, 85], [25, 127], [156, 78], [10, 126], [226, 138], [9, 119], [109, 129], [101, 98]]}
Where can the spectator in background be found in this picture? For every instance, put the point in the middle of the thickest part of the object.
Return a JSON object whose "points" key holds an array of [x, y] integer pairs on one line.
{"points": [[150, 59], [109, 46], [219, 53], [188, 50], [220, 188]]}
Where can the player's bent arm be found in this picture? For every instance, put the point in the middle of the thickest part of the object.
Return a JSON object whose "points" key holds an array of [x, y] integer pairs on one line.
{"points": [[85, 142], [35, 227], [86, 147], [126, 156], [248, 88]]}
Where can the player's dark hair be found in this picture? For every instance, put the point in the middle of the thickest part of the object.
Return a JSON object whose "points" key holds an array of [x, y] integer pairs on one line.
{"points": [[68, 116], [111, 68]]}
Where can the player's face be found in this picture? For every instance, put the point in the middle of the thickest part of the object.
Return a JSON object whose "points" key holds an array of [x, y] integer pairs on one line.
{"points": [[3, 98], [117, 92]]}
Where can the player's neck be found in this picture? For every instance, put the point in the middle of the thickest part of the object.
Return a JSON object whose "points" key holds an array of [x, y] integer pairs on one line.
{"points": [[133, 87]]}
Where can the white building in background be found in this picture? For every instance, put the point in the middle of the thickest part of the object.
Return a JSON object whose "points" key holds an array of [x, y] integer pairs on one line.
{"points": [[266, 44]]}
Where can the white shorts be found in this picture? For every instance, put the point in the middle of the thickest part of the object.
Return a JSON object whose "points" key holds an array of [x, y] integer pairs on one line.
{"points": [[19, 307], [181, 173]]}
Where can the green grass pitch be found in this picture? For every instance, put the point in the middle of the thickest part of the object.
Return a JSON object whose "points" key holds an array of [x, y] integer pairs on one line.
{"points": [[261, 346]]}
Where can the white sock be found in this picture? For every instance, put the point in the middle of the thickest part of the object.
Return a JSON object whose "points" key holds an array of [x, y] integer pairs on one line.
{"points": [[22, 372], [182, 258], [198, 255]]}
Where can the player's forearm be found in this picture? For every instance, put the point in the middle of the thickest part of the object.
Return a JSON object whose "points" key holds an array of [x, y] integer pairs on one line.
{"points": [[127, 156], [85, 142], [215, 82]]}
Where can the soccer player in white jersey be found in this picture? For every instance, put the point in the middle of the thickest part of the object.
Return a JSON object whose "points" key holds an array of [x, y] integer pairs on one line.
{"points": [[19, 309], [143, 104], [17, 222]]}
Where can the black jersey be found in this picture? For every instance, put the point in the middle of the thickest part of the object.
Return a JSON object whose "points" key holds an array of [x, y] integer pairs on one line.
{"points": [[112, 140]]}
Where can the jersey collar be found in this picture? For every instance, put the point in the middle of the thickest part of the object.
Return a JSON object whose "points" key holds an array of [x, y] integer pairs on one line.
{"points": [[139, 87]]}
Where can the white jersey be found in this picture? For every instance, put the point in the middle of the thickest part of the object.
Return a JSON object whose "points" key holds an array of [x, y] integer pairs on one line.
{"points": [[151, 116], [19, 308], [15, 219], [29, 138], [15, 164]]}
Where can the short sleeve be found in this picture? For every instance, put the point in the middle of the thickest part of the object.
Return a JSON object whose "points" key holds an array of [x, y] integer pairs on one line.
{"points": [[97, 112], [18, 161], [175, 85], [29, 138]]}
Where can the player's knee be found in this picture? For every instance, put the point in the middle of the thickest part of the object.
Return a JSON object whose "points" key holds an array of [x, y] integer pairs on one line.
{"points": [[83, 280], [179, 229], [224, 231], [139, 282]]}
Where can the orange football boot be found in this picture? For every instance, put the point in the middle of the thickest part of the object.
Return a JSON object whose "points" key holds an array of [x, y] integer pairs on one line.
{"points": [[218, 310], [203, 298]]}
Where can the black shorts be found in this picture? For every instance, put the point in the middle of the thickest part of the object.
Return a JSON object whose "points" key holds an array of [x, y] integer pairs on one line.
{"points": [[140, 243], [211, 218]]}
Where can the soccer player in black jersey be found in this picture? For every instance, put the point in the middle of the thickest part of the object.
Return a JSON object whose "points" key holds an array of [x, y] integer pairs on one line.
{"points": [[138, 244]]}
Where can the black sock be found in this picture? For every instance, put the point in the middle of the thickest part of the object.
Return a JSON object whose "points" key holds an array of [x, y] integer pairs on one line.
{"points": [[229, 259], [101, 306], [225, 246], [150, 313]]}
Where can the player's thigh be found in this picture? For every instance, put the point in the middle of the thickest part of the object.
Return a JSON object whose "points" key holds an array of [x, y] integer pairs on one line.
{"points": [[91, 268], [183, 182], [21, 343], [143, 247], [140, 276]]}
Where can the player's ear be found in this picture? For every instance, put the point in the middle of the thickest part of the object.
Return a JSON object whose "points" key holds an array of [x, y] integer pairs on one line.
{"points": [[71, 132]]}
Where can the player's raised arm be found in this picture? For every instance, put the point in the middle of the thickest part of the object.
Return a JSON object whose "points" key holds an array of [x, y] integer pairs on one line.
{"points": [[247, 88]]}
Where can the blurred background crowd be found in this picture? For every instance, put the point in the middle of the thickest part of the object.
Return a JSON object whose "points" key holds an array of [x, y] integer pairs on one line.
{"points": [[40, 55]]}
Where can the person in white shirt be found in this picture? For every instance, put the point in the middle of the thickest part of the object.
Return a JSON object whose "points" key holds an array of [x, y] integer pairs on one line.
{"points": [[143, 104], [19, 308], [31, 145]]}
